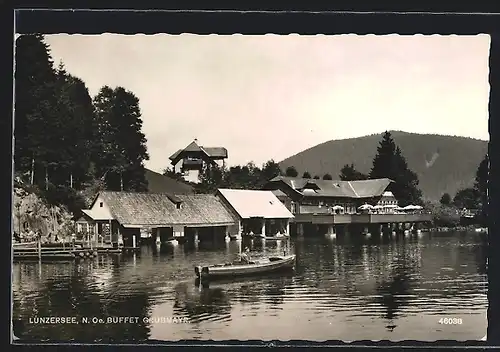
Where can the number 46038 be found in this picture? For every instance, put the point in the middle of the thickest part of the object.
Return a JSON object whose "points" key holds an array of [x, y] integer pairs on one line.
{"points": [[450, 321]]}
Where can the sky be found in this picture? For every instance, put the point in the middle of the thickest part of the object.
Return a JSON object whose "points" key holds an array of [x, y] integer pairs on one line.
{"points": [[272, 96]]}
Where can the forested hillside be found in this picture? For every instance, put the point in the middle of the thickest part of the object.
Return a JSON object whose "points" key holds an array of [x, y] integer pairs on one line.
{"points": [[443, 164]]}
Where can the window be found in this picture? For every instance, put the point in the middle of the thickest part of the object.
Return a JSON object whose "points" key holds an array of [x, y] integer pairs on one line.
{"points": [[178, 205], [100, 204]]}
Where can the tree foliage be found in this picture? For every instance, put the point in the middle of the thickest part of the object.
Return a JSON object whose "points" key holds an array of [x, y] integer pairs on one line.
{"points": [[466, 198], [481, 186], [444, 215], [270, 170], [445, 199], [66, 143], [390, 163], [306, 175], [476, 197], [291, 171], [248, 176], [349, 173], [170, 172], [122, 148], [35, 108], [327, 177]]}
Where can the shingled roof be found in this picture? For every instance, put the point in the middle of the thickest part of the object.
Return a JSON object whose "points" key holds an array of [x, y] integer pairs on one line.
{"points": [[158, 183], [336, 188], [160, 209]]}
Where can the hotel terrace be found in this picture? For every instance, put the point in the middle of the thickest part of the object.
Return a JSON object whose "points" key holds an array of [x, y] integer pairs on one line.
{"points": [[331, 202]]}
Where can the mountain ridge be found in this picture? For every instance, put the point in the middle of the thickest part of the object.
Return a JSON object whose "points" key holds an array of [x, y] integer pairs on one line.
{"points": [[443, 163]]}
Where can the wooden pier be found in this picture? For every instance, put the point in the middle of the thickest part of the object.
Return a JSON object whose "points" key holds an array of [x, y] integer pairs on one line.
{"points": [[55, 251]]}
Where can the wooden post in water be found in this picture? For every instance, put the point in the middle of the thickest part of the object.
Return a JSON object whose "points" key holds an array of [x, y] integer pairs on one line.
{"points": [[39, 248]]}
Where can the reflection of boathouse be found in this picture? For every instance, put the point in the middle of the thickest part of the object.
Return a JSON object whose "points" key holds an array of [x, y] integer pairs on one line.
{"points": [[122, 215], [260, 212]]}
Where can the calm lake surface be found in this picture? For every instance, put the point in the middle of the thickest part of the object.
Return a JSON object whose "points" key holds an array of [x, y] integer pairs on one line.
{"points": [[349, 288]]}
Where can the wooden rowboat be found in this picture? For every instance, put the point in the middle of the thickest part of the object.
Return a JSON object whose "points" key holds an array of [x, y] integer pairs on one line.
{"points": [[261, 266]]}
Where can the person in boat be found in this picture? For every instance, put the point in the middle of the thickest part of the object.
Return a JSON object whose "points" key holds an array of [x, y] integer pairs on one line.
{"points": [[245, 256]]}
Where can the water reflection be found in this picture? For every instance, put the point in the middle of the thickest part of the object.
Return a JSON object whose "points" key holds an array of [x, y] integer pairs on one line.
{"points": [[393, 296], [385, 284], [201, 303]]}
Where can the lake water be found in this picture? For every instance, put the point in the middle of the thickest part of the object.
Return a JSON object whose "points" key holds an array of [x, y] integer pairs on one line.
{"points": [[349, 288]]}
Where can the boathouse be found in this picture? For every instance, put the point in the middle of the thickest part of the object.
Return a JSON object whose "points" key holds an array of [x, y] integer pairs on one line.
{"points": [[121, 216], [191, 160], [258, 212]]}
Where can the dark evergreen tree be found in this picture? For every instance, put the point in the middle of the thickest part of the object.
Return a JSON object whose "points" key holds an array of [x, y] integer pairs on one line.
{"points": [[306, 175], [75, 134], [390, 163], [481, 187], [35, 101], [291, 172], [327, 177], [445, 199], [349, 173]]}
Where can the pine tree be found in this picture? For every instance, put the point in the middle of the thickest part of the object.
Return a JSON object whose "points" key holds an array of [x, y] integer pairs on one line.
{"points": [[390, 163], [35, 101], [306, 175], [481, 186], [74, 134]]}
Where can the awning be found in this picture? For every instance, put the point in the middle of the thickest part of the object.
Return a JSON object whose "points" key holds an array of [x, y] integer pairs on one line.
{"points": [[96, 216]]}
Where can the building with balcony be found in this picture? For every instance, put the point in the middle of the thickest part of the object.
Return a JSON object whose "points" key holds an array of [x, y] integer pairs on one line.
{"points": [[303, 195], [191, 160], [331, 203]]}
